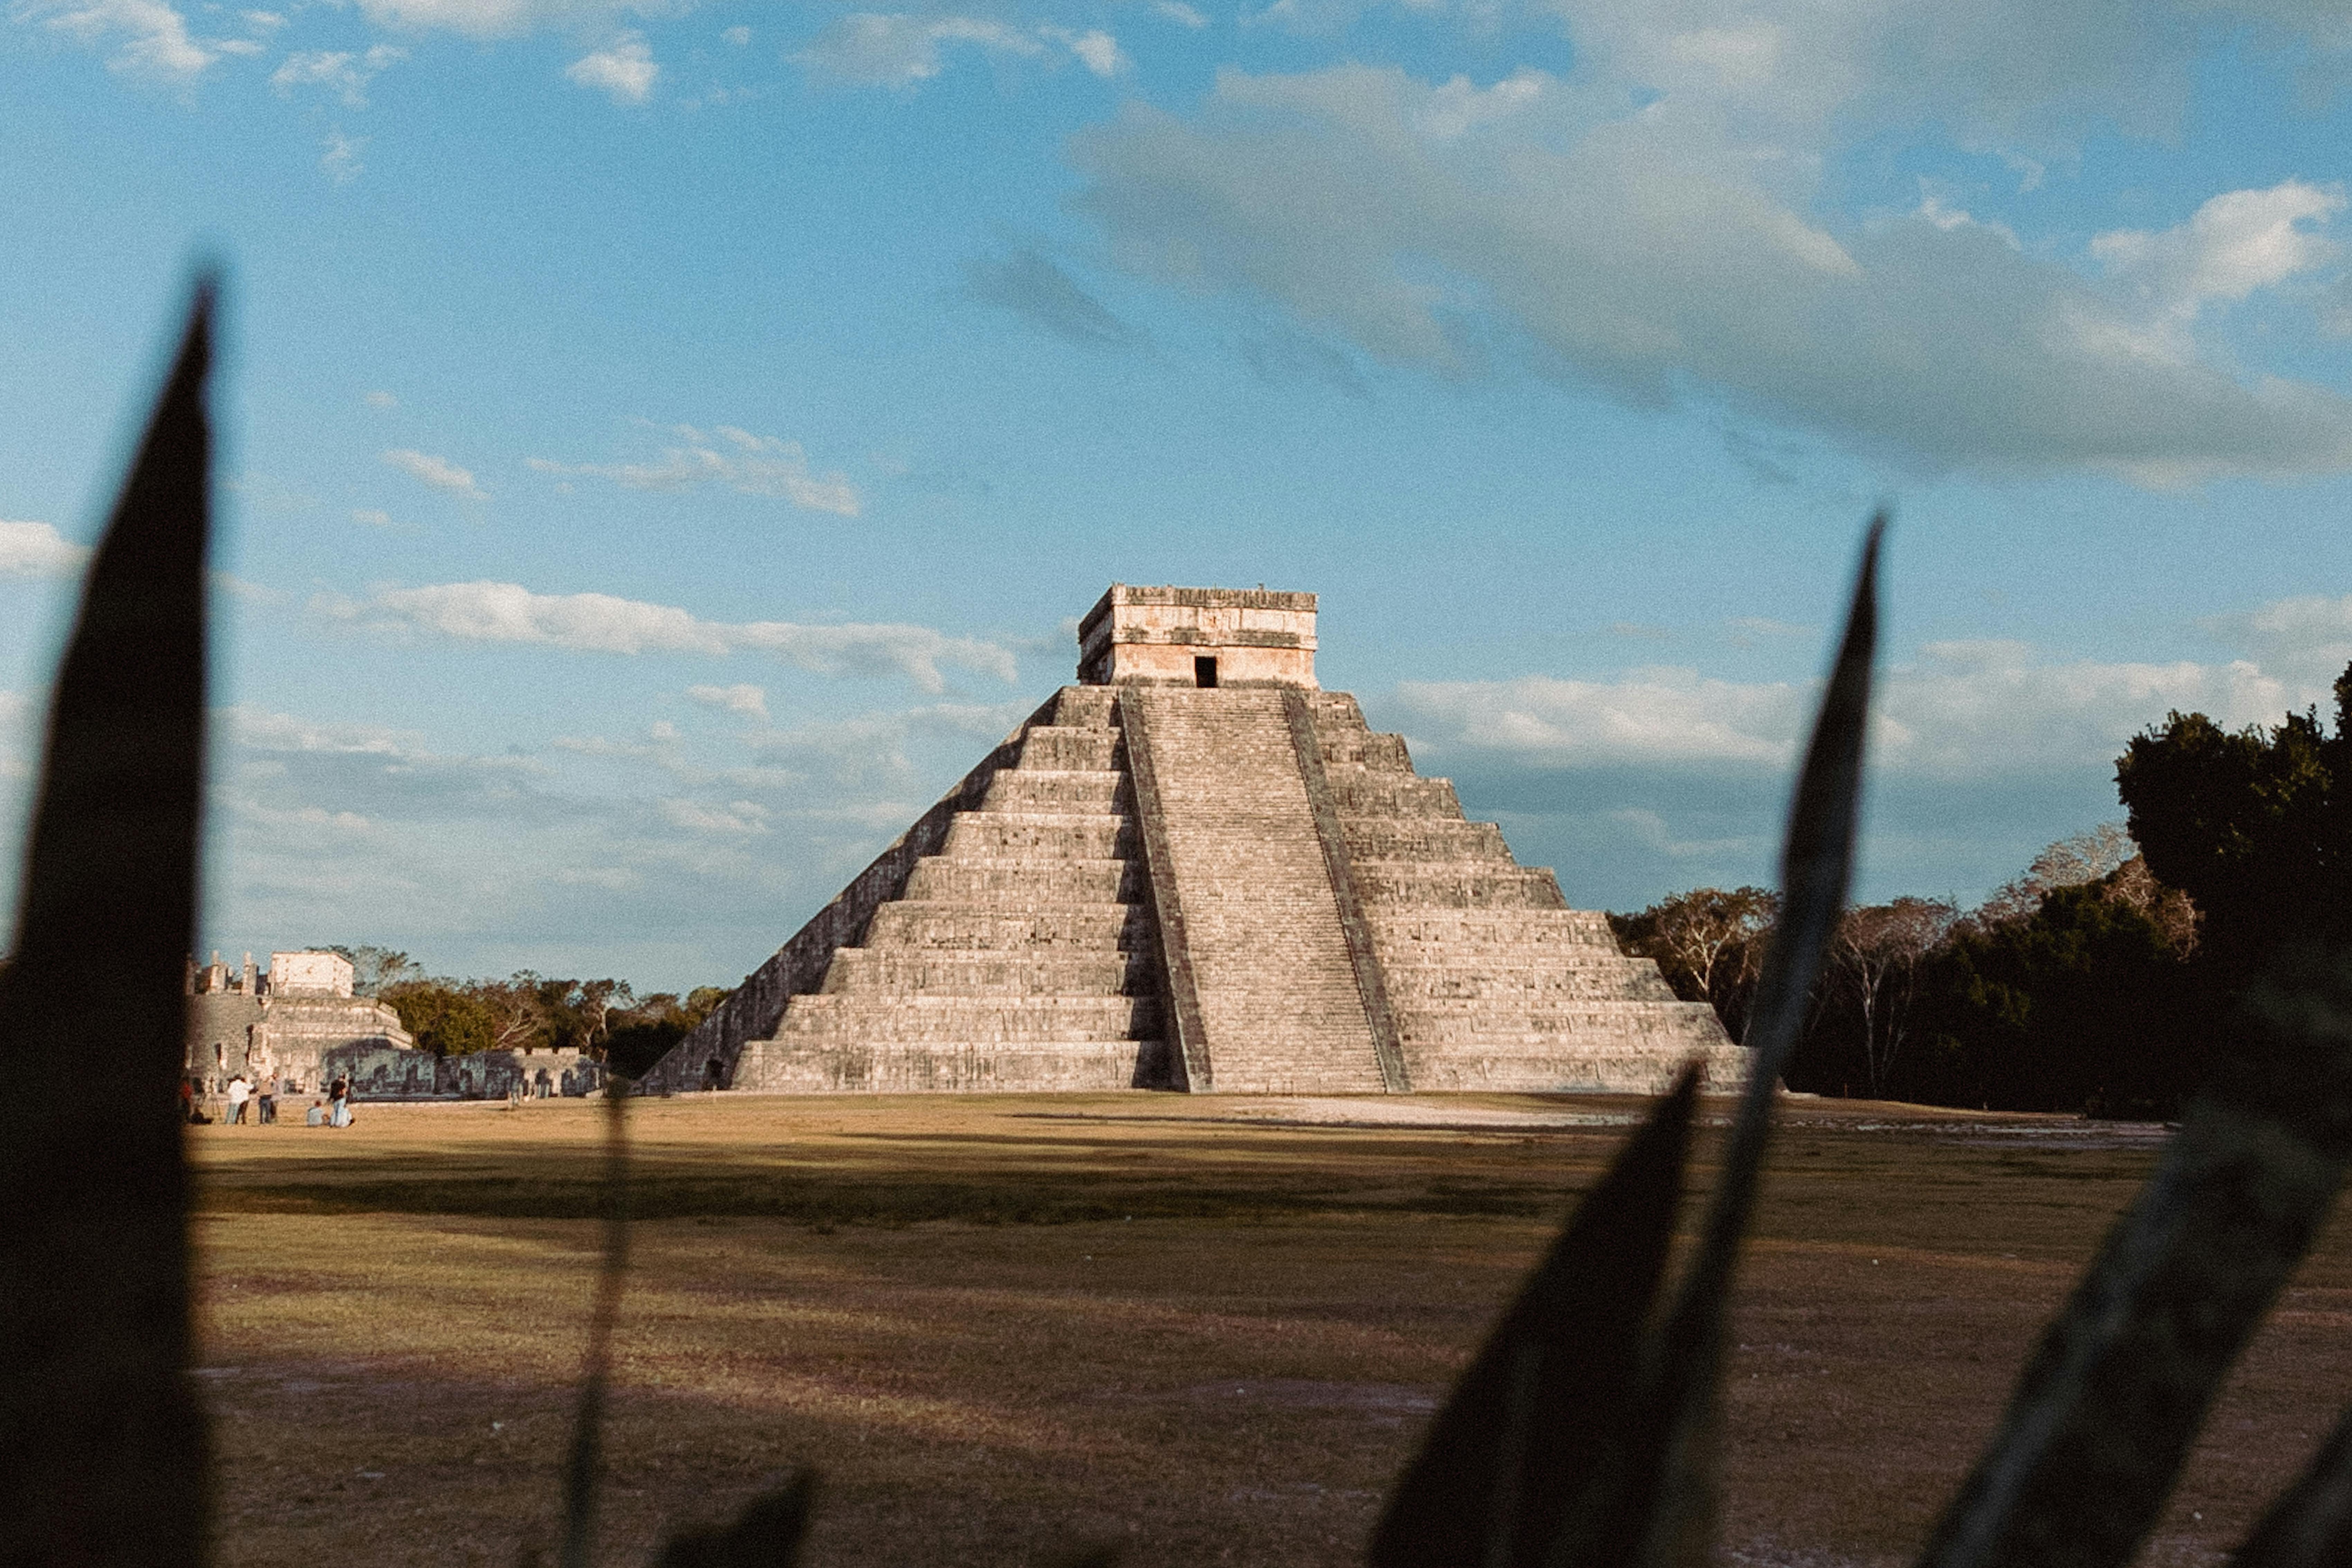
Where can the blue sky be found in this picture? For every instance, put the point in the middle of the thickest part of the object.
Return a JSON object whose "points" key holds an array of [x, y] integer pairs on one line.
{"points": [[667, 444]]}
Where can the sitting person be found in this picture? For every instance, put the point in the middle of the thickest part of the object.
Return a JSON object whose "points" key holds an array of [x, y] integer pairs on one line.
{"points": [[318, 1114]]}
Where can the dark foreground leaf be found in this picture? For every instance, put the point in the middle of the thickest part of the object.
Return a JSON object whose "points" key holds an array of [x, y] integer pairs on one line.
{"points": [[2311, 1525], [1543, 1410], [102, 1453], [2109, 1404], [1666, 1513], [766, 1534]]}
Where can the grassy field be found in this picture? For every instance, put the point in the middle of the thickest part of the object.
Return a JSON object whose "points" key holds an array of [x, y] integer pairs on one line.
{"points": [[1207, 1329]]}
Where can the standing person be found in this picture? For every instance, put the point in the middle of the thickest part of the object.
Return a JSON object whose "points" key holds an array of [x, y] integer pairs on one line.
{"points": [[188, 1101], [266, 1112], [238, 1091], [339, 1094]]}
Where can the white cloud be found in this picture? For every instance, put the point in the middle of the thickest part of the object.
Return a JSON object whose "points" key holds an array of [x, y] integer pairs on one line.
{"points": [[437, 472], [493, 18], [1095, 49], [1181, 14], [751, 464], [155, 38], [898, 49], [746, 699], [342, 159], [625, 68], [1654, 230], [2235, 243], [602, 623], [37, 549], [1958, 711], [739, 37], [739, 818], [381, 399], [343, 71], [372, 517]]}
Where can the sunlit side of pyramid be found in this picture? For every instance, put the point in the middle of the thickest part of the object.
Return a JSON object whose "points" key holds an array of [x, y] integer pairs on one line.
{"points": [[1194, 869]]}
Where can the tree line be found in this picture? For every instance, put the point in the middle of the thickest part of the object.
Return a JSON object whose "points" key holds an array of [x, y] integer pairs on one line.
{"points": [[2103, 978], [527, 1010]]}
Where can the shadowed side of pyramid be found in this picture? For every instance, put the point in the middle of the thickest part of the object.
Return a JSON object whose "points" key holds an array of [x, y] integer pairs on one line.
{"points": [[1197, 871]]}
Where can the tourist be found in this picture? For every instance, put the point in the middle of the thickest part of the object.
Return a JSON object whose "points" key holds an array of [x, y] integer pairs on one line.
{"points": [[318, 1114], [238, 1091], [265, 1110], [188, 1101], [339, 1093]]}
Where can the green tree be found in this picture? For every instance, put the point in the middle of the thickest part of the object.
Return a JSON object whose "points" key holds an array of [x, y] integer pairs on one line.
{"points": [[446, 1017], [2083, 1005], [2254, 824]]}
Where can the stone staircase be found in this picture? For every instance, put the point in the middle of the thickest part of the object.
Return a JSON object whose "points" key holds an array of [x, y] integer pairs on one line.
{"points": [[1491, 981], [1273, 984], [1021, 955]]}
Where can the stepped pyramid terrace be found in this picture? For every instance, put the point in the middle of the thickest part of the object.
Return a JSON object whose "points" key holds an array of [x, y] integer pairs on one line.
{"points": [[1195, 870]]}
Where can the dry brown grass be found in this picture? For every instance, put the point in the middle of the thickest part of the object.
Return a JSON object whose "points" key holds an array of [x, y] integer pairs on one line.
{"points": [[943, 1303]]}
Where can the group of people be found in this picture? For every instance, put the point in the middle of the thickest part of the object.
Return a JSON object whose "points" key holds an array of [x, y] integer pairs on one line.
{"points": [[334, 1111]]}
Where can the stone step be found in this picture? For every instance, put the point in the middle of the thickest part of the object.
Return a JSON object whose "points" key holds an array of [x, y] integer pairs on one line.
{"points": [[1400, 930], [1424, 839], [1039, 835], [1499, 1066], [1594, 979], [1365, 749], [1024, 885], [900, 971], [1087, 707], [1359, 792], [1596, 1022], [1461, 886], [927, 924], [931, 1067], [1063, 748], [873, 1018], [1054, 789]]}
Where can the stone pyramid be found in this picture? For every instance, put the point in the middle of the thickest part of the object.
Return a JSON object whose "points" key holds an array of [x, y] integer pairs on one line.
{"points": [[1196, 871]]}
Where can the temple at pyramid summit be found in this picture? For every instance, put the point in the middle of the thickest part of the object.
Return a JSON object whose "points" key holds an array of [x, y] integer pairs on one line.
{"points": [[1196, 869]]}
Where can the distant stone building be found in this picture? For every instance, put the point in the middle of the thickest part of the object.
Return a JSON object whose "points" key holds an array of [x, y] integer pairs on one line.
{"points": [[299, 1028], [295, 1029], [1196, 869]]}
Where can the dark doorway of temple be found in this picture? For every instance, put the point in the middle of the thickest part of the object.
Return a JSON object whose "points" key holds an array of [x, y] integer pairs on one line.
{"points": [[1204, 672]]}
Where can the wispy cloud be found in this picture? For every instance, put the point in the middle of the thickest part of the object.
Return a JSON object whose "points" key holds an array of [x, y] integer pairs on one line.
{"points": [[903, 49], [602, 623], [437, 472], [625, 68], [155, 38], [751, 465], [744, 698], [1033, 286], [37, 549], [342, 72]]}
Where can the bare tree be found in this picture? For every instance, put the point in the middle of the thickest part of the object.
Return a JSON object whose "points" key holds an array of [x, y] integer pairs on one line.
{"points": [[1877, 955], [2069, 863]]}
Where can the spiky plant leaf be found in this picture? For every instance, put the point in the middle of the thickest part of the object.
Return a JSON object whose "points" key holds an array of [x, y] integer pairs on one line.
{"points": [[1542, 1409], [2108, 1406], [766, 1534], [2310, 1526], [1665, 1512], [102, 1450]]}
